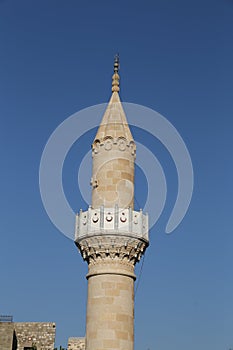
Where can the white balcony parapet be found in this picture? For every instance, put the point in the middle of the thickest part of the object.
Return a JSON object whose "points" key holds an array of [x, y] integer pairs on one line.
{"points": [[112, 221]]}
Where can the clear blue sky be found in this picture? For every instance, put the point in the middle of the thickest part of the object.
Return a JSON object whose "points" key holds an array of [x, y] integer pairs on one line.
{"points": [[176, 57]]}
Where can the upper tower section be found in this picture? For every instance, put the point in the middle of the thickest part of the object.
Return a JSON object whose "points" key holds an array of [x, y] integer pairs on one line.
{"points": [[111, 230], [113, 152]]}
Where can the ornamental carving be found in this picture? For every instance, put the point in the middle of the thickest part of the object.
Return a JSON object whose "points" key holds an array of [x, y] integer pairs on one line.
{"points": [[122, 144], [103, 247], [119, 143]]}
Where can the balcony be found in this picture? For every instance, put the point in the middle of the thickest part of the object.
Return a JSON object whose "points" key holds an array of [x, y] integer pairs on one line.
{"points": [[112, 221]]}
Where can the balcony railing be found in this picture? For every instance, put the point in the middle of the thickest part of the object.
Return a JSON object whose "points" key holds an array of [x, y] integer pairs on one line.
{"points": [[117, 221]]}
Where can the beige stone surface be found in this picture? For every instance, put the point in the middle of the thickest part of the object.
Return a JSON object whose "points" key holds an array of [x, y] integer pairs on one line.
{"points": [[113, 158], [76, 343], [40, 333], [110, 306], [114, 121], [24, 334], [6, 335], [113, 175]]}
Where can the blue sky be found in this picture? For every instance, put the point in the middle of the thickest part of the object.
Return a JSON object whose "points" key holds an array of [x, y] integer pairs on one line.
{"points": [[176, 58]]}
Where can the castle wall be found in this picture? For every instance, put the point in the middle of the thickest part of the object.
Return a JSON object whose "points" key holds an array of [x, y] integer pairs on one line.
{"points": [[38, 333], [76, 344], [6, 335]]}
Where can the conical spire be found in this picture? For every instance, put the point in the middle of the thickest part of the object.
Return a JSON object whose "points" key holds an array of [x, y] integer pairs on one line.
{"points": [[114, 123]]}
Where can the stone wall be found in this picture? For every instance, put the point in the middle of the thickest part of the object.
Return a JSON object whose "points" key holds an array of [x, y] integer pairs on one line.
{"points": [[76, 344], [6, 335], [38, 333]]}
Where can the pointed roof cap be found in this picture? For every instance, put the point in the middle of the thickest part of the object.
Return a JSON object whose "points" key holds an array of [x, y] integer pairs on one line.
{"points": [[114, 123]]}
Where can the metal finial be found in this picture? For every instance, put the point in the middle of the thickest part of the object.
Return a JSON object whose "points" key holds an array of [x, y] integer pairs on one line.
{"points": [[116, 62], [116, 77]]}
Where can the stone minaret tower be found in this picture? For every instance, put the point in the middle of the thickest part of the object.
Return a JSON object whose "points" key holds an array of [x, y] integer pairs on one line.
{"points": [[111, 235]]}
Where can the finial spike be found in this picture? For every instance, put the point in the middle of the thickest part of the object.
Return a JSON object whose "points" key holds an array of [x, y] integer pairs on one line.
{"points": [[116, 77], [116, 62]]}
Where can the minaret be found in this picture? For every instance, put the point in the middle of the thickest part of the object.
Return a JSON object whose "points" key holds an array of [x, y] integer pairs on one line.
{"points": [[111, 235]]}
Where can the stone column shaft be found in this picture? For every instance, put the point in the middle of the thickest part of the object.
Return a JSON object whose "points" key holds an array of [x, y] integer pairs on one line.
{"points": [[110, 306]]}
